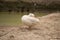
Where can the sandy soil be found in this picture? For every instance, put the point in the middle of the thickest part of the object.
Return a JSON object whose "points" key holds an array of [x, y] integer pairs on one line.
{"points": [[47, 29]]}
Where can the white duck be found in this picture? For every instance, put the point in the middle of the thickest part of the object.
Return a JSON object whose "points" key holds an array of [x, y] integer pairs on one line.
{"points": [[29, 20]]}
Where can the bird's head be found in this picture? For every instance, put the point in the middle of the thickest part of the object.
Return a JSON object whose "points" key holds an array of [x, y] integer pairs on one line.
{"points": [[31, 15]]}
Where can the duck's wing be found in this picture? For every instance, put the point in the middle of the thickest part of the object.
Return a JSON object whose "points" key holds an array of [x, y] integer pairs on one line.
{"points": [[33, 20]]}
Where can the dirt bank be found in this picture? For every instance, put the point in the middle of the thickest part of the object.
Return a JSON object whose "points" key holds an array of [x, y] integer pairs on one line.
{"points": [[48, 29]]}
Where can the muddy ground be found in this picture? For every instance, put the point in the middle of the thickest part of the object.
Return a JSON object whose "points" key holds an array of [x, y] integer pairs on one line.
{"points": [[47, 29]]}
